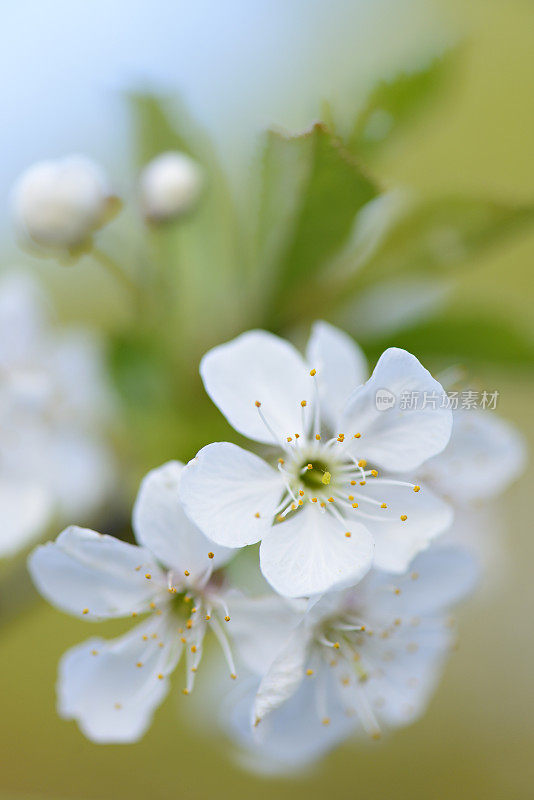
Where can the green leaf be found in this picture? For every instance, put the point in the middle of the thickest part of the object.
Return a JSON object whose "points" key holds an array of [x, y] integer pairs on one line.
{"points": [[155, 125], [476, 339], [312, 191], [394, 102], [439, 236]]}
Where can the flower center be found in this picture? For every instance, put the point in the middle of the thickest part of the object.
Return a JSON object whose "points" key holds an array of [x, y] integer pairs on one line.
{"points": [[315, 474]]}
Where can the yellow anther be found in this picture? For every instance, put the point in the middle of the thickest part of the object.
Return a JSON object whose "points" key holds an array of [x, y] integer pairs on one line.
{"points": [[194, 610], [189, 624], [161, 644], [414, 576], [145, 638], [152, 605], [183, 639], [293, 506], [313, 372], [326, 721], [257, 514], [208, 617], [303, 403], [187, 598], [396, 590], [227, 618], [322, 504], [383, 505], [403, 517], [148, 576], [94, 652], [318, 436], [118, 706], [330, 499], [309, 466], [301, 502], [336, 645], [186, 573], [309, 672], [280, 460], [353, 483], [134, 613], [355, 505], [362, 483], [139, 664], [351, 497], [326, 478], [417, 488], [301, 493], [362, 462], [193, 648], [348, 534], [397, 621], [85, 611], [160, 676], [314, 499], [374, 473], [185, 691], [297, 436], [155, 635], [280, 518], [289, 439], [257, 404], [138, 568], [211, 555], [233, 676], [357, 435]]}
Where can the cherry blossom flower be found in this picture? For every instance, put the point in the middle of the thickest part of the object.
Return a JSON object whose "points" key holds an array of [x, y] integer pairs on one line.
{"points": [[169, 185], [112, 687], [359, 663], [53, 402], [323, 514]]}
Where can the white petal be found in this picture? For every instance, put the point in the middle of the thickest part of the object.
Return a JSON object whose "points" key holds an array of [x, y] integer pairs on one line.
{"points": [[224, 488], [293, 736], [485, 454], [341, 367], [102, 687], [310, 554], [94, 576], [258, 366], [438, 579], [284, 676], [398, 438], [161, 525], [397, 542], [25, 512], [259, 626]]}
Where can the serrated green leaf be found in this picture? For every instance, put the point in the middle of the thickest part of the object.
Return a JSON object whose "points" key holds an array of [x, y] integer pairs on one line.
{"points": [[312, 191], [394, 102]]}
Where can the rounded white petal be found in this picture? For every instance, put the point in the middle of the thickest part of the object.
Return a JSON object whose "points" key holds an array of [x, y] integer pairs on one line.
{"points": [[230, 494], [485, 454], [112, 687], [284, 675], [95, 576], [310, 553], [259, 367], [169, 185], [341, 367], [161, 525], [60, 203], [25, 511], [398, 438], [398, 541]]}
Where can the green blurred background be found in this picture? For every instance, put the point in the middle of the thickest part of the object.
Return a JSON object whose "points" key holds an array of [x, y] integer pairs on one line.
{"points": [[477, 738]]}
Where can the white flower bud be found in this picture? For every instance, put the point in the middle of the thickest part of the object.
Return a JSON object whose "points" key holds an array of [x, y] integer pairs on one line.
{"points": [[57, 205], [169, 186]]}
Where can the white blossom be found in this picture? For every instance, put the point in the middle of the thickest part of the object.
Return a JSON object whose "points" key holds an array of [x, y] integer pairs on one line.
{"points": [[53, 401], [112, 687], [323, 514]]}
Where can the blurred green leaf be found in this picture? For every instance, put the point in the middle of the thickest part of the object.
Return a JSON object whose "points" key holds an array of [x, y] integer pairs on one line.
{"points": [[474, 338], [312, 191], [139, 371], [394, 102], [439, 236]]}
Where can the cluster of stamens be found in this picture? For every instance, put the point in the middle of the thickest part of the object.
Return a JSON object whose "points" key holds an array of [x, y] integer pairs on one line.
{"points": [[325, 473]]}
